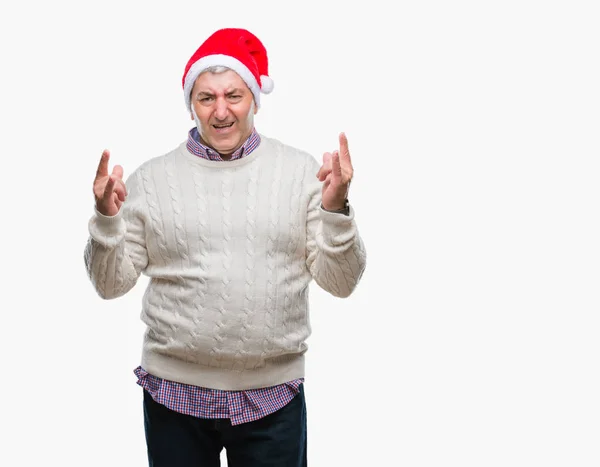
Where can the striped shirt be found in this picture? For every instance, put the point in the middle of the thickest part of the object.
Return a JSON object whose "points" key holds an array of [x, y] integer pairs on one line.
{"points": [[196, 147], [239, 406]]}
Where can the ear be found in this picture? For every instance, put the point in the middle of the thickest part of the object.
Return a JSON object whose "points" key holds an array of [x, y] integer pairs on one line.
{"points": [[191, 116]]}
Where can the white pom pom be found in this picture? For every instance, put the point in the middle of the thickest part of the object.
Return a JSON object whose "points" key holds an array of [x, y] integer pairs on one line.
{"points": [[267, 84]]}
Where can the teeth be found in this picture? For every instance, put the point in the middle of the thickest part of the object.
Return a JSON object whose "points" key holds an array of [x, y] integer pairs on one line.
{"points": [[223, 126]]}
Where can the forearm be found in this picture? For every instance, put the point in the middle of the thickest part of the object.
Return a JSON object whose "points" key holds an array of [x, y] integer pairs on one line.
{"points": [[337, 257], [114, 255]]}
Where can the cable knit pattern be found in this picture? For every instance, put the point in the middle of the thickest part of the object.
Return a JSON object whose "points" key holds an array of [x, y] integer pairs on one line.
{"points": [[226, 257], [202, 235], [242, 355], [290, 266], [156, 321], [273, 226], [180, 235], [230, 248]]}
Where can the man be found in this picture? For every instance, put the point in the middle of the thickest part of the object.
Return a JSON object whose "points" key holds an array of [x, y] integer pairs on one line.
{"points": [[230, 227]]}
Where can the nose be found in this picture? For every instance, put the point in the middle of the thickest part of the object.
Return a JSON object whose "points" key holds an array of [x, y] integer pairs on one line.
{"points": [[221, 109]]}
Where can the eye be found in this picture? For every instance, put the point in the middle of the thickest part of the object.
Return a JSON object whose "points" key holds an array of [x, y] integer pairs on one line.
{"points": [[234, 97], [205, 99]]}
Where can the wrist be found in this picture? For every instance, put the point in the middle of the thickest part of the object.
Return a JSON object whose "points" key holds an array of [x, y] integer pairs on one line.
{"points": [[344, 208]]}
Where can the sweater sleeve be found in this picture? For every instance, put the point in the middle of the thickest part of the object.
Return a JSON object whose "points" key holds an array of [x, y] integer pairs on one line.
{"points": [[336, 255], [115, 254]]}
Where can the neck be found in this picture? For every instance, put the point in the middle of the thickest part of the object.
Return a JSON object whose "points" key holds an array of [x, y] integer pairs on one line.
{"points": [[226, 155]]}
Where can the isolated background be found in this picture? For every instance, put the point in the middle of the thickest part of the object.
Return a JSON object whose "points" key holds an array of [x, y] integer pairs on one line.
{"points": [[472, 339]]}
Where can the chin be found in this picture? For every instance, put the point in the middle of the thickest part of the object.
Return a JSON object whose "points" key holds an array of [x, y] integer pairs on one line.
{"points": [[226, 144]]}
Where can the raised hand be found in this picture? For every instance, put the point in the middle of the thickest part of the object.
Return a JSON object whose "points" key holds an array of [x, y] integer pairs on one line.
{"points": [[109, 189], [336, 174]]}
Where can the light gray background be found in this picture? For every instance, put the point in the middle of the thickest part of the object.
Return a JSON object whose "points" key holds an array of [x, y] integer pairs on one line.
{"points": [[473, 338]]}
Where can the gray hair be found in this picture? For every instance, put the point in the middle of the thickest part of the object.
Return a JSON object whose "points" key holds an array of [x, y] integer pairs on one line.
{"points": [[217, 69]]}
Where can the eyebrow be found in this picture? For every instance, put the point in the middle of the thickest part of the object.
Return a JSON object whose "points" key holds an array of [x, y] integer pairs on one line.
{"points": [[210, 94]]}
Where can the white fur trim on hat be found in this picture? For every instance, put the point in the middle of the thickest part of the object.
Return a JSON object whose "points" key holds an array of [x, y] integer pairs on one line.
{"points": [[223, 60], [267, 84]]}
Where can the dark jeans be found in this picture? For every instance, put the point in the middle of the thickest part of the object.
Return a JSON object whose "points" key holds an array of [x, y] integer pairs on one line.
{"points": [[177, 440]]}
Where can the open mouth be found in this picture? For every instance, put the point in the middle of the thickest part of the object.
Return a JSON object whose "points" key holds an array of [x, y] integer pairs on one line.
{"points": [[223, 126]]}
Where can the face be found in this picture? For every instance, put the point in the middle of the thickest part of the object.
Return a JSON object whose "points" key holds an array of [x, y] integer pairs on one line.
{"points": [[223, 108]]}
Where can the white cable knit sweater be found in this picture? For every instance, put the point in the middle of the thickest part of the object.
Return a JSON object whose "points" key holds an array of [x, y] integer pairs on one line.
{"points": [[230, 248]]}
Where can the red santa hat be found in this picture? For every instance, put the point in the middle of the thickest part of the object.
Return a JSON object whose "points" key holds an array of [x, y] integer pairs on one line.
{"points": [[237, 49]]}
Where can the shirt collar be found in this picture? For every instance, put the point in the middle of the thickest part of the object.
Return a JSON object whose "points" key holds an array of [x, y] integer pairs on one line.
{"points": [[196, 147]]}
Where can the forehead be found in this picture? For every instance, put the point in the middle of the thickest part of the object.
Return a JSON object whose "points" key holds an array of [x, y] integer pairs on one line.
{"points": [[214, 82]]}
